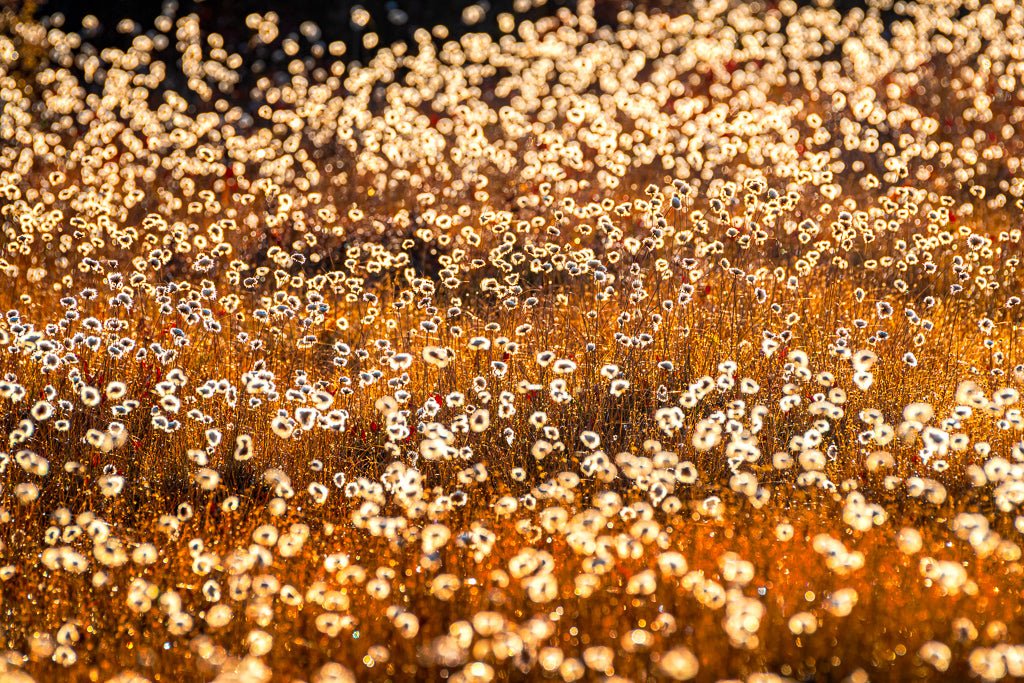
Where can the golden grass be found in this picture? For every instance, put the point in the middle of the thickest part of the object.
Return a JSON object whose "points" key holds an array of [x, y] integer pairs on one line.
{"points": [[688, 349]]}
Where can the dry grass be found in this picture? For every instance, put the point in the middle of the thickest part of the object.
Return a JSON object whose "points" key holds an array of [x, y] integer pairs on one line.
{"points": [[688, 349]]}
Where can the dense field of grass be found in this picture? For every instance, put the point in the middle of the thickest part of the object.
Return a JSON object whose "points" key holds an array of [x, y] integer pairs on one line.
{"points": [[688, 348]]}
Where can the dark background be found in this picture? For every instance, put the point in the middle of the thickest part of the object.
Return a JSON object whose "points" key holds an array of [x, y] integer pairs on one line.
{"points": [[227, 17], [391, 20]]}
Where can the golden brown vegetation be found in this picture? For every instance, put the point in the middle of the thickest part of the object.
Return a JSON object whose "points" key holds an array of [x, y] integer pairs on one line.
{"points": [[689, 348]]}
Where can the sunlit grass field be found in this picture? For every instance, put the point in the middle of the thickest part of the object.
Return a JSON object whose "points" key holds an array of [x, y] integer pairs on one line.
{"points": [[688, 347]]}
